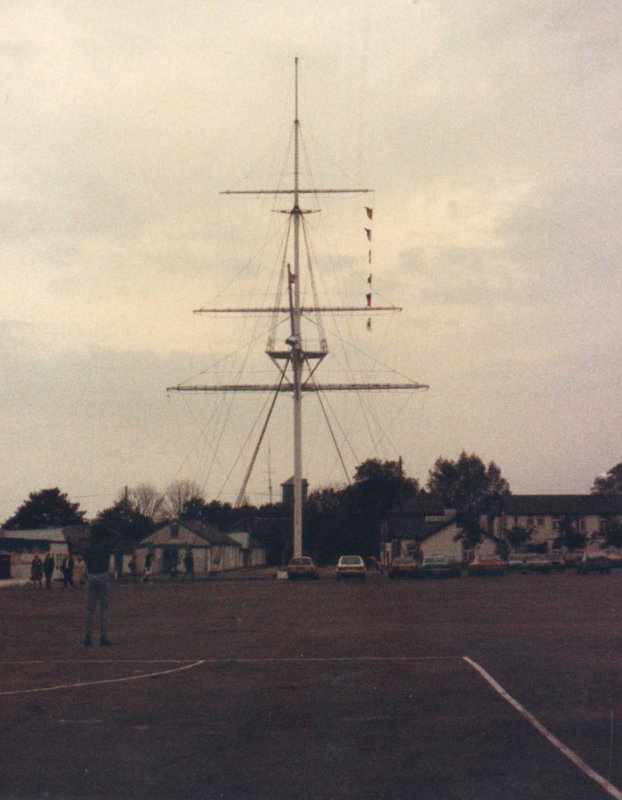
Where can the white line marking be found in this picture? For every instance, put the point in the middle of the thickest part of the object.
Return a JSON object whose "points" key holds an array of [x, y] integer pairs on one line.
{"points": [[101, 682], [570, 754], [108, 661], [331, 659]]}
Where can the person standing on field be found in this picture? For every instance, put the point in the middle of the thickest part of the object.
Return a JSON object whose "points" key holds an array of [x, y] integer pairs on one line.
{"points": [[97, 559], [189, 565], [36, 572], [48, 569]]}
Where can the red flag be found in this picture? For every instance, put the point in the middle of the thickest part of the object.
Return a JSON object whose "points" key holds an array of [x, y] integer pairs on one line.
{"points": [[369, 279], [368, 296], [370, 212], [368, 232]]}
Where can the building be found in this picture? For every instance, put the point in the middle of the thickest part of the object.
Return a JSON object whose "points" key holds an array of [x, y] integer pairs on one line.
{"points": [[18, 548], [212, 550], [253, 552], [422, 527], [541, 515]]}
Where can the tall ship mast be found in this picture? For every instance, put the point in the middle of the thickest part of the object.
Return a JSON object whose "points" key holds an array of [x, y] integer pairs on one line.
{"points": [[299, 355]]}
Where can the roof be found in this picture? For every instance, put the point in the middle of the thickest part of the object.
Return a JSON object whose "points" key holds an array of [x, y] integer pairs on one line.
{"points": [[290, 482], [38, 535], [415, 528], [558, 505], [421, 505], [244, 539], [15, 545], [189, 532]]}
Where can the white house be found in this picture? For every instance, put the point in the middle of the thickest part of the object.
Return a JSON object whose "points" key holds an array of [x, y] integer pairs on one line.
{"points": [[423, 526], [18, 548], [253, 553], [212, 550]]}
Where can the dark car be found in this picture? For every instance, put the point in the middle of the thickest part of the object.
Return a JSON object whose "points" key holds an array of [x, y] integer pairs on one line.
{"points": [[594, 562], [538, 563], [403, 567], [558, 562], [302, 567], [517, 562], [487, 565], [439, 567]]}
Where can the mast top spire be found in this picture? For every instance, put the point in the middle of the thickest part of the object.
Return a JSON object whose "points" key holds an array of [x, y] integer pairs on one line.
{"points": [[296, 89]]}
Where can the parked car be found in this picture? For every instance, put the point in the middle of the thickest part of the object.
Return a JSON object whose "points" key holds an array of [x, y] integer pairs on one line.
{"points": [[403, 567], [536, 562], [350, 567], [558, 561], [302, 567], [487, 565], [439, 567], [574, 558], [594, 562], [615, 558], [517, 562]]}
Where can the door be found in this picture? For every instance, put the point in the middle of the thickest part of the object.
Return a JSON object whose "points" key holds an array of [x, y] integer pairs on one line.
{"points": [[5, 566], [169, 560]]}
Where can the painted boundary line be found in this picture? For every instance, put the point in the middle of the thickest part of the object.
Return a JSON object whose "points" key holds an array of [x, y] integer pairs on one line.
{"points": [[566, 751], [195, 663], [126, 679]]}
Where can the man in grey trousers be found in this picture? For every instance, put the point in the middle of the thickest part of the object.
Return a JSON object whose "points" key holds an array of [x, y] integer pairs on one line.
{"points": [[97, 559]]}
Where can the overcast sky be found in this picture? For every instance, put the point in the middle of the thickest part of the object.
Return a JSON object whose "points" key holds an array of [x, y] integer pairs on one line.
{"points": [[490, 133]]}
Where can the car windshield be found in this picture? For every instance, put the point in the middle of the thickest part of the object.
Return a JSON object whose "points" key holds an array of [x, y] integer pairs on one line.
{"points": [[350, 560], [435, 560], [300, 561]]}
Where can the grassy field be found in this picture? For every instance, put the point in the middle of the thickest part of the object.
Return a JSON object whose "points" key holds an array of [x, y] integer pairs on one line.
{"points": [[380, 689]]}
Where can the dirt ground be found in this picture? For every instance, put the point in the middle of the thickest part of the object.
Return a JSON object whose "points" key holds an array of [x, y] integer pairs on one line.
{"points": [[239, 688]]}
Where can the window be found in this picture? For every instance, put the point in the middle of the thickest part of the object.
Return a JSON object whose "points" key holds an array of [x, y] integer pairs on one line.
{"points": [[174, 531]]}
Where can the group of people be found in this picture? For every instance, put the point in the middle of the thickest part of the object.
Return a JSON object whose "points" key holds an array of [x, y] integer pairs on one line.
{"points": [[45, 569]]}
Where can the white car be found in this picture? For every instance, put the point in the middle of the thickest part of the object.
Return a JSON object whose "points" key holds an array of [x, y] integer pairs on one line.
{"points": [[350, 567]]}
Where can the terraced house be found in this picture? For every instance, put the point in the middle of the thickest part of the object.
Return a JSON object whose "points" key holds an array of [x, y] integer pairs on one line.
{"points": [[424, 524], [544, 516]]}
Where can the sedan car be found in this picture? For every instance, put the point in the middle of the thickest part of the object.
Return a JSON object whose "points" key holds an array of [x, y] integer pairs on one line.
{"points": [[516, 563], [350, 567], [439, 567], [594, 562], [536, 562], [487, 565], [403, 567], [302, 567]]}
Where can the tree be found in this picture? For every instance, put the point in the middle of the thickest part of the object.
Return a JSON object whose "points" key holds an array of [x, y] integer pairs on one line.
{"points": [[378, 487], [147, 500], [467, 485], [183, 497], [322, 535], [48, 508], [613, 533], [124, 518], [517, 536], [610, 483], [569, 535]]}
